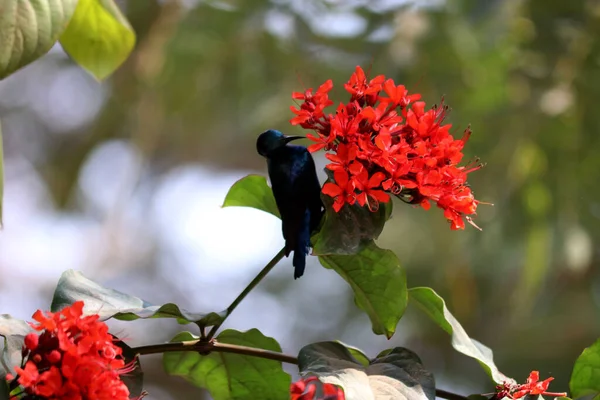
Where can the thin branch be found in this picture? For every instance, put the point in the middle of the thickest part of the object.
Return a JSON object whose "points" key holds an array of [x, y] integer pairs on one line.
{"points": [[203, 347], [442, 394], [248, 289]]}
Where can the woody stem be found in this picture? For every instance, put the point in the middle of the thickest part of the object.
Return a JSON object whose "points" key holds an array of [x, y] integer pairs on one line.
{"points": [[247, 290]]}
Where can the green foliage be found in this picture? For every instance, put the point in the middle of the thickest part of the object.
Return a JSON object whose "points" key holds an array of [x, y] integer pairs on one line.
{"points": [[110, 303], [375, 274], [98, 37], [435, 307], [356, 353], [229, 376], [585, 379], [13, 331], [252, 191], [398, 373], [379, 284], [28, 29], [351, 229]]}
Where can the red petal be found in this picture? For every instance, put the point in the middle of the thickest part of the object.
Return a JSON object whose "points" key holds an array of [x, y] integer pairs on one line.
{"points": [[325, 87], [315, 147], [380, 195], [341, 177], [533, 377], [360, 74], [332, 190], [356, 168], [298, 96], [376, 179]]}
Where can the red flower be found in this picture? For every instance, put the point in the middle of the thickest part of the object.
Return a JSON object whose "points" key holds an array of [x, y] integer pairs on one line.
{"points": [[342, 190], [370, 193], [345, 155], [322, 141], [361, 90], [74, 357], [311, 110], [404, 149], [398, 95], [532, 387], [306, 389]]}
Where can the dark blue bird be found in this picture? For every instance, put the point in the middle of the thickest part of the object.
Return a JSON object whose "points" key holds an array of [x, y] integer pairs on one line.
{"points": [[297, 192]]}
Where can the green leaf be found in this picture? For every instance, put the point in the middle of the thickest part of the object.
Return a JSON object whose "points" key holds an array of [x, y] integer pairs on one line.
{"points": [[110, 303], [1, 175], [435, 307], [232, 376], [29, 28], [98, 38], [378, 282], [399, 374], [585, 379], [356, 353], [349, 230], [13, 331], [252, 191]]}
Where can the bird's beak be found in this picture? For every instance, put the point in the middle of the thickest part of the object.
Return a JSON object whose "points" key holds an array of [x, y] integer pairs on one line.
{"points": [[288, 139]]}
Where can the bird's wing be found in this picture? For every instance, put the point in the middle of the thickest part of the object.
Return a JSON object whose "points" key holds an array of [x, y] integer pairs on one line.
{"points": [[296, 190]]}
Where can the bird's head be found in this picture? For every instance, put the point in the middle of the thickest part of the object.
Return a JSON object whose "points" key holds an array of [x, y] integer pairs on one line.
{"points": [[272, 140]]}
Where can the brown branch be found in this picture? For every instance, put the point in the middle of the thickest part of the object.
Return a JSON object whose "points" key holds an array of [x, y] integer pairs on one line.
{"points": [[442, 394], [204, 348]]}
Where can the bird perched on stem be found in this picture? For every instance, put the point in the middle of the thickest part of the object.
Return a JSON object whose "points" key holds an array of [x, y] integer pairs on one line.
{"points": [[297, 192]]}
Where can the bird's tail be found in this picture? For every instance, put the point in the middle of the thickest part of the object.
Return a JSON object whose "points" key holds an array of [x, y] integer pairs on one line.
{"points": [[302, 247]]}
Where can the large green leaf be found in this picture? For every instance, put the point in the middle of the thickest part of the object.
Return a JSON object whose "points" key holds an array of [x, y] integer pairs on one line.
{"points": [[110, 303], [435, 307], [1, 175], [378, 282], [232, 376], [98, 37], [29, 28], [395, 374], [252, 191], [351, 229], [585, 379]]}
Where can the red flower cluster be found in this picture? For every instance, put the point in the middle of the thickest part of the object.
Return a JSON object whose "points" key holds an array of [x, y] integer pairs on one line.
{"points": [[384, 142], [532, 387], [306, 389], [74, 358]]}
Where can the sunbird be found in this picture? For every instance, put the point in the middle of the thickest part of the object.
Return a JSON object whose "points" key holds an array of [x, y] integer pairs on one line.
{"points": [[297, 192]]}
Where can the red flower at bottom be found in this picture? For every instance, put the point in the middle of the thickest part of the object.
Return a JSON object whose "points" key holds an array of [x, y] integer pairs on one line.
{"points": [[73, 358], [306, 389]]}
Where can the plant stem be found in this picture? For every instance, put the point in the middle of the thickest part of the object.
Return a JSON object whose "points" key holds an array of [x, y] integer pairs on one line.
{"points": [[442, 394], [248, 289], [207, 347]]}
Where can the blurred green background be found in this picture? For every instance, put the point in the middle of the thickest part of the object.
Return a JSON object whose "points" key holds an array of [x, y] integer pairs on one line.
{"points": [[124, 179]]}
